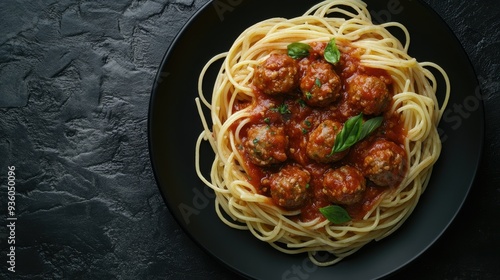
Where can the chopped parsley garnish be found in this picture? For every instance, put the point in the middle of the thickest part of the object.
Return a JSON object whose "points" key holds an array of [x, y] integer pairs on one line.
{"points": [[282, 109], [317, 82], [301, 103]]}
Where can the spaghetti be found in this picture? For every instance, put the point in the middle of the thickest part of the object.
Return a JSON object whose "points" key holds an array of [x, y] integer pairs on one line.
{"points": [[284, 116]]}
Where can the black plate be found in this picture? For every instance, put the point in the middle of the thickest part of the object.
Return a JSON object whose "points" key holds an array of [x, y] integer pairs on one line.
{"points": [[174, 128]]}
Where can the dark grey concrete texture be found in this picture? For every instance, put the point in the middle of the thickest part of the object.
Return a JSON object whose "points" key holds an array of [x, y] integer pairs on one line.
{"points": [[75, 86]]}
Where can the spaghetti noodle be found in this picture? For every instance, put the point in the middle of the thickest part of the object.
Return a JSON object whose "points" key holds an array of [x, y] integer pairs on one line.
{"points": [[279, 99]]}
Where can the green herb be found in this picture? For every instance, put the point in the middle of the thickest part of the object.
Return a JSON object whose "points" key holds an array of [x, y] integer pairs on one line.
{"points": [[317, 82], [354, 130], [282, 109], [349, 134], [267, 120], [298, 50], [335, 214], [308, 95], [301, 103], [308, 123], [369, 126], [332, 53], [304, 131]]}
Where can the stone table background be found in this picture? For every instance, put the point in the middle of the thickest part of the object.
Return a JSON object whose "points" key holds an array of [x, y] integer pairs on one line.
{"points": [[75, 82]]}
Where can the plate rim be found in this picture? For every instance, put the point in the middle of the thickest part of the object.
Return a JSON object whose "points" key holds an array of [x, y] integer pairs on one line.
{"points": [[157, 79]]}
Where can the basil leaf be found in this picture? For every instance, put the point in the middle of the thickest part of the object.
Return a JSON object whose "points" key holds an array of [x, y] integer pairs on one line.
{"points": [[370, 125], [354, 130], [335, 214], [332, 53], [349, 134], [298, 50]]}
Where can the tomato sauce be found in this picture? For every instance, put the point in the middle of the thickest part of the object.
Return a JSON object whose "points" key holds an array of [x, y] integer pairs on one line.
{"points": [[299, 119]]}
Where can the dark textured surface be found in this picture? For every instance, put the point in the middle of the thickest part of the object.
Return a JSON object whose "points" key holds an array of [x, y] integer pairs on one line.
{"points": [[75, 81]]}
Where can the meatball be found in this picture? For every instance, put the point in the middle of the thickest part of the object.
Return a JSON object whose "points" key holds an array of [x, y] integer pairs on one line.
{"points": [[289, 186], [278, 74], [266, 144], [321, 141], [368, 94], [384, 163], [345, 185], [320, 85]]}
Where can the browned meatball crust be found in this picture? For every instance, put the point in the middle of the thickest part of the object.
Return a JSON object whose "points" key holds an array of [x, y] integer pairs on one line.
{"points": [[320, 85], [266, 144], [369, 94], [345, 185], [278, 74], [289, 186], [384, 163], [321, 141]]}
